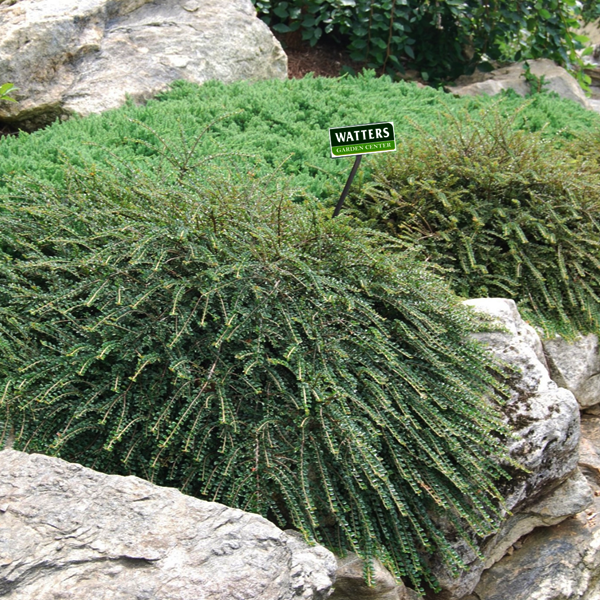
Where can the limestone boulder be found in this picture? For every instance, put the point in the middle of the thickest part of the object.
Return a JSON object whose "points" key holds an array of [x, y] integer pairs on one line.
{"points": [[545, 421], [350, 582], [576, 366], [561, 562], [70, 532], [559, 80], [87, 56], [589, 448], [543, 416]]}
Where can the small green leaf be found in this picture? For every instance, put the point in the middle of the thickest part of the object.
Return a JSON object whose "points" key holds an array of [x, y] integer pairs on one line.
{"points": [[281, 28]]}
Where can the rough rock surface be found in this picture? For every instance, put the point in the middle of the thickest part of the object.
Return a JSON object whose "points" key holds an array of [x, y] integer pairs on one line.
{"points": [[67, 532], [545, 419], [350, 583], [511, 77], [576, 366], [86, 56], [568, 499], [561, 562], [589, 448]]}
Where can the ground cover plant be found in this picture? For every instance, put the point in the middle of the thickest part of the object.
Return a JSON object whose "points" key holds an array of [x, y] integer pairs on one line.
{"points": [[505, 211], [273, 120], [201, 329], [284, 123], [213, 330]]}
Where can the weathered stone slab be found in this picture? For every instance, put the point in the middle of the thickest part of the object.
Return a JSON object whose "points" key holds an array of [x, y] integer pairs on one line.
{"points": [[560, 562], [545, 420], [68, 532], [87, 56], [576, 366], [558, 80], [568, 499]]}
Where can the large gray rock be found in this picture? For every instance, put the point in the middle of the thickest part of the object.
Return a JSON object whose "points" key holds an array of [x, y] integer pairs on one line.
{"points": [[576, 366], [555, 563], [511, 77], [543, 416], [86, 56], [545, 420], [568, 499], [67, 532]]}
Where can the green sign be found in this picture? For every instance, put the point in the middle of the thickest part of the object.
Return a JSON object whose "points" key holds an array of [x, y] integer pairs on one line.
{"points": [[362, 139]]}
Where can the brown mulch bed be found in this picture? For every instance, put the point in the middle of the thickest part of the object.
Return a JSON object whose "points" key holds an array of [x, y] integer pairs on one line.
{"points": [[322, 60]]}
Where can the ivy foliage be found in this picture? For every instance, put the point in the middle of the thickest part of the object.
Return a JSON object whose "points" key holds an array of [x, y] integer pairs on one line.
{"points": [[198, 328], [441, 39], [507, 212]]}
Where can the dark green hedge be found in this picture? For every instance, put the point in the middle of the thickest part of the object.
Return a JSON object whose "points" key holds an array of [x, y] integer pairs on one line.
{"points": [[442, 39]]}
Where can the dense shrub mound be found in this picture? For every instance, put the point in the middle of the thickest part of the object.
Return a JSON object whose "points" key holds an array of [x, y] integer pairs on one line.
{"points": [[507, 213], [274, 120], [209, 333], [442, 39]]}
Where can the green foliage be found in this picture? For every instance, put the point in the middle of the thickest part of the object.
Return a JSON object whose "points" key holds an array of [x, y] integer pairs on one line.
{"points": [[590, 10], [442, 39], [200, 329], [508, 213], [273, 120], [537, 85], [5, 90]]}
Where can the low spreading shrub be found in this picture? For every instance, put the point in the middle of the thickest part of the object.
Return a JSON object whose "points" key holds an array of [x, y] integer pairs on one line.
{"points": [[273, 120], [507, 212], [210, 330], [202, 330]]}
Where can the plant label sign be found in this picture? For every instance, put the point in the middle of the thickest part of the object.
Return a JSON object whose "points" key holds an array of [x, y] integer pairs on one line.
{"points": [[362, 139]]}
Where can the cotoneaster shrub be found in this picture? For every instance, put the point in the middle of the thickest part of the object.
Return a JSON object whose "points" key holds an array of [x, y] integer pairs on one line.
{"points": [[507, 212], [201, 330], [273, 120]]}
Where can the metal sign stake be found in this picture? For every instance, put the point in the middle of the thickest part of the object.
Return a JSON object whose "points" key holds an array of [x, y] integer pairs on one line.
{"points": [[356, 140], [338, 207]]}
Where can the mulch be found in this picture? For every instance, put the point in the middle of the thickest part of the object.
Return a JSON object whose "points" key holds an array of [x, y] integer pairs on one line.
{"points": [[322, 60]]}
